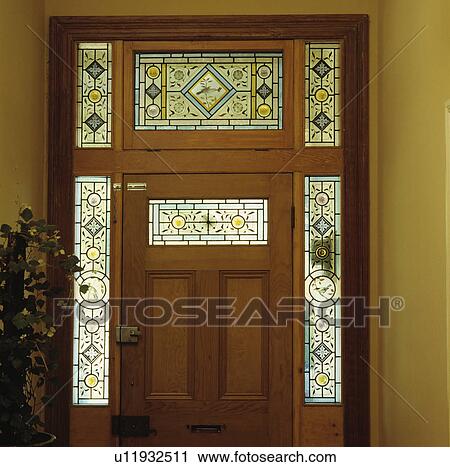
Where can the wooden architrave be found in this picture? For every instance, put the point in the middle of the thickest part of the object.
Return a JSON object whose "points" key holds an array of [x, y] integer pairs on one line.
{"points": [[351, 161]]}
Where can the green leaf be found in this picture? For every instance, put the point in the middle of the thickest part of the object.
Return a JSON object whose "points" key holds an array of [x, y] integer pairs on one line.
{"points": [[5, 228], [16, 363], [84, 288], [20, 321], [26, 214]]}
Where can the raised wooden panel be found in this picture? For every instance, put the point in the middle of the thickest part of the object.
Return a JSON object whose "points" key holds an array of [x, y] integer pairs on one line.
{"points": [[169, 350], [87, 426], [322, 426], [243, 349]]}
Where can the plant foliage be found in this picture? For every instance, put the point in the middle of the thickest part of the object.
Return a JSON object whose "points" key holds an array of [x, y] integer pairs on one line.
{"points": [[26, 329]]}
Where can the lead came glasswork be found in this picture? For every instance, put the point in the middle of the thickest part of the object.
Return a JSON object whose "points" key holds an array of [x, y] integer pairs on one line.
{"points": [[322, 290], [322, 94], [208, 91], [208, 221], [91, 321], [94, 79]]}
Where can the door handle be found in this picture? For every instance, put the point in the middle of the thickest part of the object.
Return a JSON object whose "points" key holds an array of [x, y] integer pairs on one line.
{"points": [[206, 428]]}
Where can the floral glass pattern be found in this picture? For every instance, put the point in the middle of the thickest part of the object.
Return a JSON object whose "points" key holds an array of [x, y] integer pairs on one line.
{"points": [[208, 91], [322, 94], [208, 221], [94, 81], [322, 290], [91, 321]]}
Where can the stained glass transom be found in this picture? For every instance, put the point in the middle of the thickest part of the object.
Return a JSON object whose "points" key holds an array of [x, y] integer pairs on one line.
{"points": [[208, 91], [322, 290], [322, 94], [208, 221], [94, 79], [91, 321]]}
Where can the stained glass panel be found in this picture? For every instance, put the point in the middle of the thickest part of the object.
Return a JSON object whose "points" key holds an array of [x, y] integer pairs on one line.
{"points": [[208, 221], [322, 94], [91, 321], [94, 79], [208, 91], [322, 290]]}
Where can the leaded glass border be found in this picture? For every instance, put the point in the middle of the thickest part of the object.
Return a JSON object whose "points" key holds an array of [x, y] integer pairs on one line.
{"points": [[94, 89], [209, 91], [322, 290], [208, 221], [322, 94], [91, 319]]}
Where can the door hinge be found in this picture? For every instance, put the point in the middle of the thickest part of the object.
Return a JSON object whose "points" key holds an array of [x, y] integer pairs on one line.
{"points": [[137, 186], [293, 217], [131, 425], [127, 334]]}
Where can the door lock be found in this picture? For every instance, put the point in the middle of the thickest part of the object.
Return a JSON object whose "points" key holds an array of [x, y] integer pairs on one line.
{"points": [[127, 334]]}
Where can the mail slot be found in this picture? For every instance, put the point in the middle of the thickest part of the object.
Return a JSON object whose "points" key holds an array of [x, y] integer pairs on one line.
{"points": [[206, 428]]}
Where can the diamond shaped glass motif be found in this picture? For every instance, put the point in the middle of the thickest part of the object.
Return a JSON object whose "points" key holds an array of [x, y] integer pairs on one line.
{"points": [[93, 226], [264, 91], [322, 225], [94, 122], [153, 91], [321, 68], [91, 353], [95, 69], [321, 121], [322, 352], [208, 91]]}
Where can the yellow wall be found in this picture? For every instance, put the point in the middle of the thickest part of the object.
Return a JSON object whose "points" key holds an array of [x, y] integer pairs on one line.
{"points": [[22, 107], [407, 179], [413, 91]]}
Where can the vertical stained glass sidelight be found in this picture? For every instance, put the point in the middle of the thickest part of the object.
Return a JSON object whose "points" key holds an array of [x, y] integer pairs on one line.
{"points": [[322, 290], [208, 91], [91, 320], [322, 94], [94, 80]]}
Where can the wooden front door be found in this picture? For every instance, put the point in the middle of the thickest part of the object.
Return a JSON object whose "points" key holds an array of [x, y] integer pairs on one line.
{"points": [[209, 384]]}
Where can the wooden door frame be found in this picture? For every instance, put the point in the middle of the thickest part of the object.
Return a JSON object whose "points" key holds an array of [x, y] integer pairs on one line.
{"points": [[352, 159]]}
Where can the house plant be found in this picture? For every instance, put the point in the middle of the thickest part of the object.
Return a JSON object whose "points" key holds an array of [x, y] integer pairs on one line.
{"points": [[26, 329]]}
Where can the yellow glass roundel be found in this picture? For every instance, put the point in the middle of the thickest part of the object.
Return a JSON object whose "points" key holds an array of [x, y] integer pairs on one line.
{"points": [[91, 381], [322, 252], [153, 72], [178, 222], [93, 253], [264, 110], [264, 71], [322, 379], [322, 325], [152, 110], [95, 95], [238, 222], [321, 95]]}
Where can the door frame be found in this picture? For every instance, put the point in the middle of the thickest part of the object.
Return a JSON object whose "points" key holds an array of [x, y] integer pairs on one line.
{"points": [[352, 161]]}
